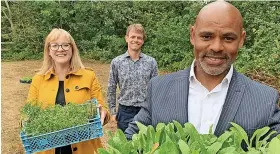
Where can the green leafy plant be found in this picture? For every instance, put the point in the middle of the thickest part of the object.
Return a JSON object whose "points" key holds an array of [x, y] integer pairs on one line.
{"points": [[26, 80], [37, 120], [174, 138]]}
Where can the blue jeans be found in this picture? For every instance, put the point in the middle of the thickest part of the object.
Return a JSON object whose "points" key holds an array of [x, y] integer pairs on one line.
{"points": [[125, 115]]}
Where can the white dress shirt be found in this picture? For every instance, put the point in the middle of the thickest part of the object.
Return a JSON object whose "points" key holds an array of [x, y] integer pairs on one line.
{"points": [[204, 107]]}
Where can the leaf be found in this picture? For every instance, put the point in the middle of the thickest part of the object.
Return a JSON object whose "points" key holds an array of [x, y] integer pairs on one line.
{"points": [[110, 134], [149, 139], [265, 140], [160, 134], [121, 136], [113, 150], [195, 146], [228, 150], [119, 142], [274, 146], [135, 141], [179, 129], [192, 132], [277, 44], [196, 151], [168, 147], [241, 133], [253, 151], [211, 129], [183, 146], [102, 151], [195, 138], [160, 126], [142, 141], [278, 136], [222, 138], [170, 127], [155, 146], [156, 152], [257, 134], [171, 132], [215, 147], [208, 139], [151, 133], [142, 128]]}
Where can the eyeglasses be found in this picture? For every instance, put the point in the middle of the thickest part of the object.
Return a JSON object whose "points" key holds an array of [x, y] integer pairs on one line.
{"points": [[55, 46]]}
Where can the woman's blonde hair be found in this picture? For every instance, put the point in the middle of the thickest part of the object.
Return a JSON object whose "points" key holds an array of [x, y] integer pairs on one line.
{"points": [[48, 63]]}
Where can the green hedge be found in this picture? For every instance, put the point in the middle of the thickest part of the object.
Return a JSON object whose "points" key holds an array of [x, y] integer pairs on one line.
{"points": [[99, 29]]}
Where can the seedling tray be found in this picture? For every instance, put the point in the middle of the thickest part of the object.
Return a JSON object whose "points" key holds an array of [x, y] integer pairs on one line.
{"points": [[26, 80], [91, 130]]}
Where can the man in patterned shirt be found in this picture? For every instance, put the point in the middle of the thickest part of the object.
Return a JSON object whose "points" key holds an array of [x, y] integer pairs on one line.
{"points": [[131, 71]]}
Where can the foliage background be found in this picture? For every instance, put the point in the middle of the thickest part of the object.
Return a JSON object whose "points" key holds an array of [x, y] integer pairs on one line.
{"points": [[98, 28]]}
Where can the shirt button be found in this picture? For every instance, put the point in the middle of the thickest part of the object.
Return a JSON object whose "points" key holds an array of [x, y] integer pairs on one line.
{"points": [[67, 76], [67, 90], [77, 87]]}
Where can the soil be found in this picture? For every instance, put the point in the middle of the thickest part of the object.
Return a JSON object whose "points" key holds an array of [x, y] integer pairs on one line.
{"points": [[15, 93]]}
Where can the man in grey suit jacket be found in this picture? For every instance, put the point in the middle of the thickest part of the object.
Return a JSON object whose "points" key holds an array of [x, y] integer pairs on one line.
{"points": [[211, 91]]}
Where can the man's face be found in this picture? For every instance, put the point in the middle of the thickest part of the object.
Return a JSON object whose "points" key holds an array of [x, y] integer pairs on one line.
{"points": [[216, 40], [134, 40]]}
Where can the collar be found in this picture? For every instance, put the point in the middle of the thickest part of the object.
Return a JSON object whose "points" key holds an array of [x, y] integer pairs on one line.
{"points": [[226, 79], [51, 72], [126, 55]]}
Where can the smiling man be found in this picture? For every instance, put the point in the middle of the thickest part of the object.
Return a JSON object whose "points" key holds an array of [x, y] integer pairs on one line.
{"points": [[131, 71], [211, 91]]}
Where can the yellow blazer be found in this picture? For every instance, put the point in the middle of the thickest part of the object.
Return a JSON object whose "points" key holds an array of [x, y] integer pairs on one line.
{"points": [[78, 87]]}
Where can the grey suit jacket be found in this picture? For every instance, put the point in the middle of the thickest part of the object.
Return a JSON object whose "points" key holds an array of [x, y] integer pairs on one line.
{"points": [[250, 104]]}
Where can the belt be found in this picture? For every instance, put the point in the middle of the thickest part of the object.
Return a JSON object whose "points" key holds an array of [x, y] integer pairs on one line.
{"points": [[128, 107]]}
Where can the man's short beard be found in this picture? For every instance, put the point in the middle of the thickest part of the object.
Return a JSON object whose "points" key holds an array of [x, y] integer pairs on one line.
{"points": [[214, 70]]}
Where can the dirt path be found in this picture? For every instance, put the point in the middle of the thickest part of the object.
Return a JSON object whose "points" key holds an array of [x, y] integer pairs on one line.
{"points": [[14, 95]]}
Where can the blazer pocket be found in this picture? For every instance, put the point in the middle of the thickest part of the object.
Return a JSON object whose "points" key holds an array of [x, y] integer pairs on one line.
{"points": [[81, 87]]}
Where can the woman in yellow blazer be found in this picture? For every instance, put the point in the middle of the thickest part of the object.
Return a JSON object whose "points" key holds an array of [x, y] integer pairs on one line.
{"points": [[63, 79]]}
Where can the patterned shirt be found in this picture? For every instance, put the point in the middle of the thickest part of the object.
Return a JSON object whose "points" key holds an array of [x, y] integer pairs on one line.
{"points": [[132, 78]]}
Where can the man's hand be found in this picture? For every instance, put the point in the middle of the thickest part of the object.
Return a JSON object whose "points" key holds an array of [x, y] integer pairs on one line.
{"points": [[103, 113]]}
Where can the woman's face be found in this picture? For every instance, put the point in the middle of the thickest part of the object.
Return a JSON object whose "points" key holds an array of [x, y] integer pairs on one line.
{"points": [[61, 51]]}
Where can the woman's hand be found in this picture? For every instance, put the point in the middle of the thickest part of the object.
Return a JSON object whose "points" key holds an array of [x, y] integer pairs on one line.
{"points": [[103, 113]]}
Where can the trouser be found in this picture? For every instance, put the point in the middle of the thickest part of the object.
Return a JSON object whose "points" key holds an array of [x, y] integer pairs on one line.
{"points": [[125, 115]]}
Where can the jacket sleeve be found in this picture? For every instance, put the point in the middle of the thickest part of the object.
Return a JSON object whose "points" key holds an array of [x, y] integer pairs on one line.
{"points": [[155, 69], [112, 86], [34, 88], [96, 92]]}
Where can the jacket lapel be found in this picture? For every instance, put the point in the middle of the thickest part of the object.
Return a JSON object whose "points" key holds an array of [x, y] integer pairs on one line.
{"points": [[185, 90], [232, 102]]}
